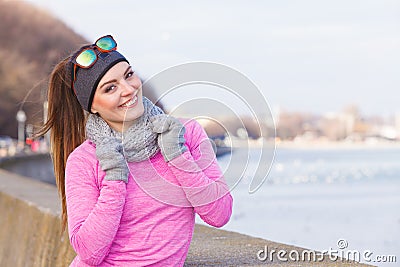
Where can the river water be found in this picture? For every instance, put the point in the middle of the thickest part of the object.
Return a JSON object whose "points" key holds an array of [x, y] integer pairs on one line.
{"points": [[314, 198]]}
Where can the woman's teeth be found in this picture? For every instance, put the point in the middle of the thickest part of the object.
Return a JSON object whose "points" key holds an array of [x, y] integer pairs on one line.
{"points": [[130, 102]]}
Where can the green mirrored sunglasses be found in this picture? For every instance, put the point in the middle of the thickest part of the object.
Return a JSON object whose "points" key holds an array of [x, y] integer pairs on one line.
{"points": [[87, 56]]}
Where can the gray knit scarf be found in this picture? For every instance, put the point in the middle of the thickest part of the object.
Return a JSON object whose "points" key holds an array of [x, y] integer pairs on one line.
{"points": [[139, 141]]}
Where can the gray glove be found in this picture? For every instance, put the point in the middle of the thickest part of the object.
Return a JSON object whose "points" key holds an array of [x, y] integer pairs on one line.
{"points": [[109, 152], [109, 149], [171, 135]]}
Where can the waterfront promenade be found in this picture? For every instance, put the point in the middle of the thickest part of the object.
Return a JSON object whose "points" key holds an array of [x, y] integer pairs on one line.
{"points": [[30, 234]]}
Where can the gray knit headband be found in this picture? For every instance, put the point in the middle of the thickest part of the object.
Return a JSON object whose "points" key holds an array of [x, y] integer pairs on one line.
{"points": [[87, 80]]}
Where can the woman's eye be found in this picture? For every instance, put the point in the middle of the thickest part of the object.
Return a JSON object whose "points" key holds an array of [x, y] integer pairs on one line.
{"points": [[129, 74], [110, 88]]}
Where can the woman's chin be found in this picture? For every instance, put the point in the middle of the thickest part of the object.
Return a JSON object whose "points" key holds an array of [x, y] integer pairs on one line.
{"points": [[133, 114]]}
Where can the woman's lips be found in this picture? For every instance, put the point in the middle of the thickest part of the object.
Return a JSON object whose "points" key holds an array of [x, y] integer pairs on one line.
{"points": [[130, 103]]}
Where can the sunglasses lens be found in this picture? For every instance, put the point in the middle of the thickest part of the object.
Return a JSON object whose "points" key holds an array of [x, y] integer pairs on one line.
{"points": [[86, 58], [106, 43]]}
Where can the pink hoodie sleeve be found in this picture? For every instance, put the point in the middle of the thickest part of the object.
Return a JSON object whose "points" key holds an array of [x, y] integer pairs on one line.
{"points": [[199, 174], [93, 213]]}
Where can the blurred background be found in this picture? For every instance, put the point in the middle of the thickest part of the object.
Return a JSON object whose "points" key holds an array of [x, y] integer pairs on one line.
{"points": [[329, 71]]}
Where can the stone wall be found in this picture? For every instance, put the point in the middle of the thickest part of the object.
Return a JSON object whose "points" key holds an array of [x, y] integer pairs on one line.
{"points": [[30, 232]]}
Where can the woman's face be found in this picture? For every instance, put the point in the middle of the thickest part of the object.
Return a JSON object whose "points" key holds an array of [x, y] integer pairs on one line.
{"points": [[118, 97]]}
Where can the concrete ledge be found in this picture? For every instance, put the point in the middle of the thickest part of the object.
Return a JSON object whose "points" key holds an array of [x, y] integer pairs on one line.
{"points": [[30, 233], [214, 247], [29, 224]]}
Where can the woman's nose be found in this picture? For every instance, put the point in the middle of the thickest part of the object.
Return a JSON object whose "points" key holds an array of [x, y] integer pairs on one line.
{"points": [[128, 88], [131, 85]]}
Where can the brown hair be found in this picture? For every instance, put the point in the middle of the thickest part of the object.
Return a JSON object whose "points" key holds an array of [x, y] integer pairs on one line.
{"points": [[66, 120]]}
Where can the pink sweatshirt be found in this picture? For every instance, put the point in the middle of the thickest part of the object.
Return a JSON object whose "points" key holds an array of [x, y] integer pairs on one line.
{"points": [[150, 220]]}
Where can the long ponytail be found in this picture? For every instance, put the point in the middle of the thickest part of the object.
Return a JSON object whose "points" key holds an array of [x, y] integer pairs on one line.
{"points": [[66, 120]]}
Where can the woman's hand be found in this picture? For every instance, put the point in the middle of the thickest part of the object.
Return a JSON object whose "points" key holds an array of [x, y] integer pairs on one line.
{"points": [[171, 135], [109, 152], [109, 149]]}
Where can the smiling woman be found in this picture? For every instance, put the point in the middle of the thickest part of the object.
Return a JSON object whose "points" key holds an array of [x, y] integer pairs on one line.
{"points": [[130, 177], [119, 97]]}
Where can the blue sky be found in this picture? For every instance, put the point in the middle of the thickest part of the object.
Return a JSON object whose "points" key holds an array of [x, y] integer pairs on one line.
{"points": [[310, 55]]}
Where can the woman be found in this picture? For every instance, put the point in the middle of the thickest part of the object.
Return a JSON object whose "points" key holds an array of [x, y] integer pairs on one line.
{"points": [[130, 177]]}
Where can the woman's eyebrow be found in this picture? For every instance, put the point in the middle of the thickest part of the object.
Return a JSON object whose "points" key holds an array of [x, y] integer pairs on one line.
{"points": [[111, 81], [114, 80]]}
